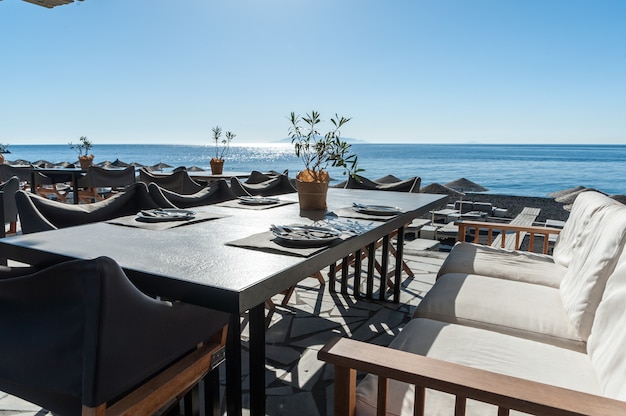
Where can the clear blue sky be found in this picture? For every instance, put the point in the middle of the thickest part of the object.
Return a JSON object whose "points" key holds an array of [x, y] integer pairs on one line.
{"points": [[411, 71]]}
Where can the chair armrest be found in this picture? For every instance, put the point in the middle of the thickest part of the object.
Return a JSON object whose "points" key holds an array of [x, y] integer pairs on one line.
{"points": [[504, 227], [349, 356]]}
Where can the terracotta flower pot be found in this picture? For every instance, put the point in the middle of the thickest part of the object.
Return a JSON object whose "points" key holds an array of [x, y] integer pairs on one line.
{"points": [[85, 161], [312, 189], [217, 166]]}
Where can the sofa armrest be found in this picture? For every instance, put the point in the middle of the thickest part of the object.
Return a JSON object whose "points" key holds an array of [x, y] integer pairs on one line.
{"points": [[519, 230], [349, 356]]}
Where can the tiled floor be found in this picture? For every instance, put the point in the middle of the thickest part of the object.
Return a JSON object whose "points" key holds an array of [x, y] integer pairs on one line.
{"points": [[297, 383]]}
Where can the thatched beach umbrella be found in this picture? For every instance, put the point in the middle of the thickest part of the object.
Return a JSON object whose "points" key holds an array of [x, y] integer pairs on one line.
{"points": [[435, 188], [119, 164], [160, 166], [569, 199], [195, 169], [136, 164], [64, 165], [104, 164], [465, 185], [43, 164], [563, 192], [20, 162], [388, 179]]}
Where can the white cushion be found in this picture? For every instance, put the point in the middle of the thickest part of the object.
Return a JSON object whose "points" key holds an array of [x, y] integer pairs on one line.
{"points": [[607, 342], [586, 204], [481, 349], [504, 264], [595, 259], [509, 307]]}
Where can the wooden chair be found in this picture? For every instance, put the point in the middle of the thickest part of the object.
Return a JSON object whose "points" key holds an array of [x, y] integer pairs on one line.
{"points": [[506, 392]]}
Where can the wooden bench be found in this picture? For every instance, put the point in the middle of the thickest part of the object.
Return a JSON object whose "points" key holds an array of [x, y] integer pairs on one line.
{"points": [[526, 218]]}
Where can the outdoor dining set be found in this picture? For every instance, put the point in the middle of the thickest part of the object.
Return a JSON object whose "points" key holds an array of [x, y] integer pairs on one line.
{"points": [[156, 271]]}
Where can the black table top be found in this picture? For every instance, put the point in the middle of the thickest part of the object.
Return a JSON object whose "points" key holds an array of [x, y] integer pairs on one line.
{"points": [[193, 264]]}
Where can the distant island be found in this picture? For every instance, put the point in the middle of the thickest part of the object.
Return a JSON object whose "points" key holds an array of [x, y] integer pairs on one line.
{"points": [[346, 139], [4, 148]]}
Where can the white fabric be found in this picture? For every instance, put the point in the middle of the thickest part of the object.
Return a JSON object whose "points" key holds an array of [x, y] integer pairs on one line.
{"points": [[607, 342], [482, 349], [516, 308], [504, 264], [595, 259], [585, 206]]}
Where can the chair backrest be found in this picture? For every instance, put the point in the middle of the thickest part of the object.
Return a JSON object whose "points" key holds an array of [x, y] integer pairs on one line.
{"points": [[576, 227], [102, 335], [97, 177], [8, 171], [8, 190], [41, 214], [278, 185], [407, 185], [216, 192], [593, 262], [179, 182]]}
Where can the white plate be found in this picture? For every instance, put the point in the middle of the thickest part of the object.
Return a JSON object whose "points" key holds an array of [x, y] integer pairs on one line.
{"points": [[165, 214], [307, 235], [377, 209], [257, 200]]}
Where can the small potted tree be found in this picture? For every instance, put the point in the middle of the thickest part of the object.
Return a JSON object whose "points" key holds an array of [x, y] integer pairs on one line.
{"points": [[319, 151], [82, 148], [221, 149]]}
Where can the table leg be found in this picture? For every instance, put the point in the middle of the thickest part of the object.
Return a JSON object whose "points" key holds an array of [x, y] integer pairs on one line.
{"points": [[384, 263], [399, 263], [233, 367], [257, 360], [75, 177]]}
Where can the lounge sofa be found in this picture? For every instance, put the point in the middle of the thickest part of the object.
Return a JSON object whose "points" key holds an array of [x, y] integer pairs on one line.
{"points": [[533, 333]]}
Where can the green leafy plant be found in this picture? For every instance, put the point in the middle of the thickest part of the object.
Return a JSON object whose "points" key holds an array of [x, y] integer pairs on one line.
{"points": [[83, 147], [317, 150], [221, 145]]}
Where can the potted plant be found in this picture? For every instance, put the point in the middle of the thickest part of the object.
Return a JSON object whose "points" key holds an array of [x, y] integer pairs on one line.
{"points": [[319, 151], [82, 148], [221, 149]]}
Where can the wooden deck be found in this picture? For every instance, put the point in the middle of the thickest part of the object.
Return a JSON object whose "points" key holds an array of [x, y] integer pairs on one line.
{"points": [[526, 218]]}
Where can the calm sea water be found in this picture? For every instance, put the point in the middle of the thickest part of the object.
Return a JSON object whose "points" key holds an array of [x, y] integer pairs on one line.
{"points": [[526, 170]]}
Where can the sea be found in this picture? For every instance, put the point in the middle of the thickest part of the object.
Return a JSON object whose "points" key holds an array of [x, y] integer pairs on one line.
{"points": [[522, 170]]}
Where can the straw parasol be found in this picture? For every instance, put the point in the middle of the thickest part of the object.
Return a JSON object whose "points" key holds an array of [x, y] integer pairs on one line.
{"points": [[195, 169], [563, 192], [435, 188], [568, 199], [43, 164], [388, 179], [465, 185], [160, 166], [119, 164]]}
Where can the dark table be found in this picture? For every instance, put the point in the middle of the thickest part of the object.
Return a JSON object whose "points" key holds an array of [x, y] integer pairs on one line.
{"points": [[193, 264], [74, 173]]}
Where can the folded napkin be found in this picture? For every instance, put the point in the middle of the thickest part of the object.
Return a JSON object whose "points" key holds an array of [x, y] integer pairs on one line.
{"points": [[234, 203], [131, 221], [351, 212], [267, 241]]}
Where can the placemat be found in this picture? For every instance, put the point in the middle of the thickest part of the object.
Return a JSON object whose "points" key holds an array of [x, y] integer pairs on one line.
{"points": [[131, 221], [234, 203], [267, 241], [351, 212]]}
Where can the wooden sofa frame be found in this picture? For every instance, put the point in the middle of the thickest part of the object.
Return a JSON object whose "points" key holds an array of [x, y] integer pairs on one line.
{"points": [[507, 392], [519, 230]]}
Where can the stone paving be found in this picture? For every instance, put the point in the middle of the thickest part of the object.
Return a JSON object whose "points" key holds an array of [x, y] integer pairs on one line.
{"points": [[297, 383]]}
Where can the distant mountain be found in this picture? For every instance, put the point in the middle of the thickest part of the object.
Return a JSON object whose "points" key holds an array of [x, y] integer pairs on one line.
{"points": [[346, 139]]}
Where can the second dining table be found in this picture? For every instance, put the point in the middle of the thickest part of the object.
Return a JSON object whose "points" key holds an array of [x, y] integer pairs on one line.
{"points": [[228, 260]]}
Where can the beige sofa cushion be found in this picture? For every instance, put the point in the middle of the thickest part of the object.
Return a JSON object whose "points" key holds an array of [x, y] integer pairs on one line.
{"points": [[482, 349], [595, 259], [504, 264], [516, 308], [607, 342], [577, 225]]}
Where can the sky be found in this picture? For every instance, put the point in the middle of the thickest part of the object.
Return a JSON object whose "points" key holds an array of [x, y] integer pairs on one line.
{"points": [[405, 71]]}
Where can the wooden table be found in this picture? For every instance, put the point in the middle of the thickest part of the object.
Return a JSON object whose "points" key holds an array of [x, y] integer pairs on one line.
{"points": [[194, 265]]}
